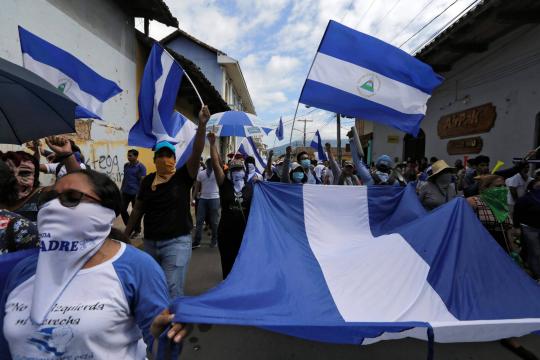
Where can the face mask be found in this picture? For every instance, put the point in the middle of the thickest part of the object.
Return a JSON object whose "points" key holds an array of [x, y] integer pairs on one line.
{"points": [[165, 165], [497, 200], [69, 237], [237, 177], [444, 179], [383, 176], [251, 168], [305, 163], [298, 176]]}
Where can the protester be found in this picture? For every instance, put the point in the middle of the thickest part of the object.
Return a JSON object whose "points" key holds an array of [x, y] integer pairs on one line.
{"points": [[272, 173], [517, 185], [341, 176], [491, 207], [382, 175], [251, 168], [16, 232], [527, 217], [164, 200], [478, 166], [134, 172], [25, 167], [302, 158], [102, 292], [56, 165], [411, 171], [235, 194], [207, 192], [439, 188]]}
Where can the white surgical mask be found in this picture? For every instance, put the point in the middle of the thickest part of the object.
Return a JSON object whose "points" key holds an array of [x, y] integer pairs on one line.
{"points": [[251, 168], [238, 178], [69, 237]]}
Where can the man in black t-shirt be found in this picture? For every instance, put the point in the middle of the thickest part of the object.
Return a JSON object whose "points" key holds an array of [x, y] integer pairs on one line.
{"points": [[164, 200]]}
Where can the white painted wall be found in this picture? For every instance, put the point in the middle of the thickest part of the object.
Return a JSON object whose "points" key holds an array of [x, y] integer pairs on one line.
{"points": [[101, 35], [508, 75]]}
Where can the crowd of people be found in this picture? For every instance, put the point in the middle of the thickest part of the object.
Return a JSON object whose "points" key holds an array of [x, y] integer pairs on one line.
{"points": [[114, 292]]}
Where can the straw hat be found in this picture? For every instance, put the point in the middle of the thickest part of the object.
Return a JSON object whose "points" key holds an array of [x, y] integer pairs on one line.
{"points": [[438, 167]]}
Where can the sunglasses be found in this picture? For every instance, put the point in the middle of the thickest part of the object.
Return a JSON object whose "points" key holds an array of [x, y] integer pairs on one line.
{"points": [[68, 198]]}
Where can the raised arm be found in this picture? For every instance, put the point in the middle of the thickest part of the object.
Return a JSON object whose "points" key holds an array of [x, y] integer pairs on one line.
{"points": [[64, 153], [198, 144], [216, 162], [334, 166], [268, 171], [285, 178]]}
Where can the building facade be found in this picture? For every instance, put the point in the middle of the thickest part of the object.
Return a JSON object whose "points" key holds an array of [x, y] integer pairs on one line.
{"points": [[489, 102], [101, 33]]}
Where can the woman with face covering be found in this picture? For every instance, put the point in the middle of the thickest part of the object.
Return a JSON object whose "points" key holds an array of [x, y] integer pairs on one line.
{"points": [[252, 174], [84, 295], [235, 194], [439, 189]]}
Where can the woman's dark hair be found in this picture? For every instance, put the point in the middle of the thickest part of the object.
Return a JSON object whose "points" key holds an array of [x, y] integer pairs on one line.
{"points": [[110, 197], [249, 160], [19, 156], [304, 179], [300, 154], [105, 188], [8, 185]]}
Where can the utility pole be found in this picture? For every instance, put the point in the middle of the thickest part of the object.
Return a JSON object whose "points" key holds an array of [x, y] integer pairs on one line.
{"points": [[339, 152], [305, 121]]}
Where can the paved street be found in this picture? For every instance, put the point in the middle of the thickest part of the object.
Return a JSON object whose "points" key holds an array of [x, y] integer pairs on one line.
{"points": [[242, 343]]}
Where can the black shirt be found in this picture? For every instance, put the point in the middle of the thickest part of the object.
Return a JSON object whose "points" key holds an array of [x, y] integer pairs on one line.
{"points": [[234, 207], [527, 209], [167, 209]]}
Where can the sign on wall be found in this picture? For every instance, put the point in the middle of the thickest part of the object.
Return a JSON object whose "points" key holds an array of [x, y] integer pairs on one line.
{"points": [[472, 145], [475, 120]]}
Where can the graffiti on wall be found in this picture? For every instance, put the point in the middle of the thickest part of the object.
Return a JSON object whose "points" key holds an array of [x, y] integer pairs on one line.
{"points": [[109, 165]]}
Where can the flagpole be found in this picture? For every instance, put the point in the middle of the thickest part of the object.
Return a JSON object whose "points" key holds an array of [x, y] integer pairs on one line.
{"points": [[185, 73], [294, 118]]}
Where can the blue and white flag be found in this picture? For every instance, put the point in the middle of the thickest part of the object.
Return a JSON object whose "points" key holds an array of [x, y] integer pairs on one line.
{"points": [[358, 75], [70, 75], [249, 148], [279, 130], [357, 264], [184, 138], [316, 143]]}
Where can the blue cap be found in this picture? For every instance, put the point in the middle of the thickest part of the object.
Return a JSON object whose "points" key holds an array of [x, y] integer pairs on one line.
{"points": [[165, 145]]}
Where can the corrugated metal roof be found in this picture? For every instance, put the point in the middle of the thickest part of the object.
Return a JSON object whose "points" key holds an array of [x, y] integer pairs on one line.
{"points": [[149, 9], [488, 21]]}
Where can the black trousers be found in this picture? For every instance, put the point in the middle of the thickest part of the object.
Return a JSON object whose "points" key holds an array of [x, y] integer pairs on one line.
{"points": [[126, 200]]}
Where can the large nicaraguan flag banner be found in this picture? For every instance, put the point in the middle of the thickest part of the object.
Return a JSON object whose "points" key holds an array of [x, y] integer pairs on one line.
{"points": [[358, 75], [249, 148], [70, 75], [356, 265]]}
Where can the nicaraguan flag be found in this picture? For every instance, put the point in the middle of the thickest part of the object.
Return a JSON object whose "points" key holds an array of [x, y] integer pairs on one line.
{"points": [[159, 87], [358, 75], [357, 264], [249, 148], [70, 75], [184, 138], [316, 143], [279, 130]]}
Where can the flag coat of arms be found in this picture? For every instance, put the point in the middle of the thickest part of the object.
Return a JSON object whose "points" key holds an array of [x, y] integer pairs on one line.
{"points": [[357, 264], [358, 75]]}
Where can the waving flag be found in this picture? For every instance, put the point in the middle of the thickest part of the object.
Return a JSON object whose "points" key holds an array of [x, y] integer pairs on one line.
{"points": [[356, 265], [358, 75], [316, 143], [279, 130], [157, 119], [70, 75], [249, 148]]}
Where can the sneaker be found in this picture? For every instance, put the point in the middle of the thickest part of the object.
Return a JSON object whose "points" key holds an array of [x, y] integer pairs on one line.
{"points": [[195, 246]]}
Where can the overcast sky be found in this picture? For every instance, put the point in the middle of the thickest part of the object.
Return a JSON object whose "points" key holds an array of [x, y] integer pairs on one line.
{"points": [[275, 41]]}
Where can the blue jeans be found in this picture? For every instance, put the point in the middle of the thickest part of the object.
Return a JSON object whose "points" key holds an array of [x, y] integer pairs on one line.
{"points": [[173, 256], [208, 207]]}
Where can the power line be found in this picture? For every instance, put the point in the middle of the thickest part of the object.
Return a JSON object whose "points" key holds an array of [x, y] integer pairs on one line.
{"points": [[429, 23], [388, 12], [447, 25], [364, 14], [424, 8]]}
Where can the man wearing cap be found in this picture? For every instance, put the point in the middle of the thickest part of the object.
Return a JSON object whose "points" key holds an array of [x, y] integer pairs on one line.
{"points": [[439, 187], [164, 200]]}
